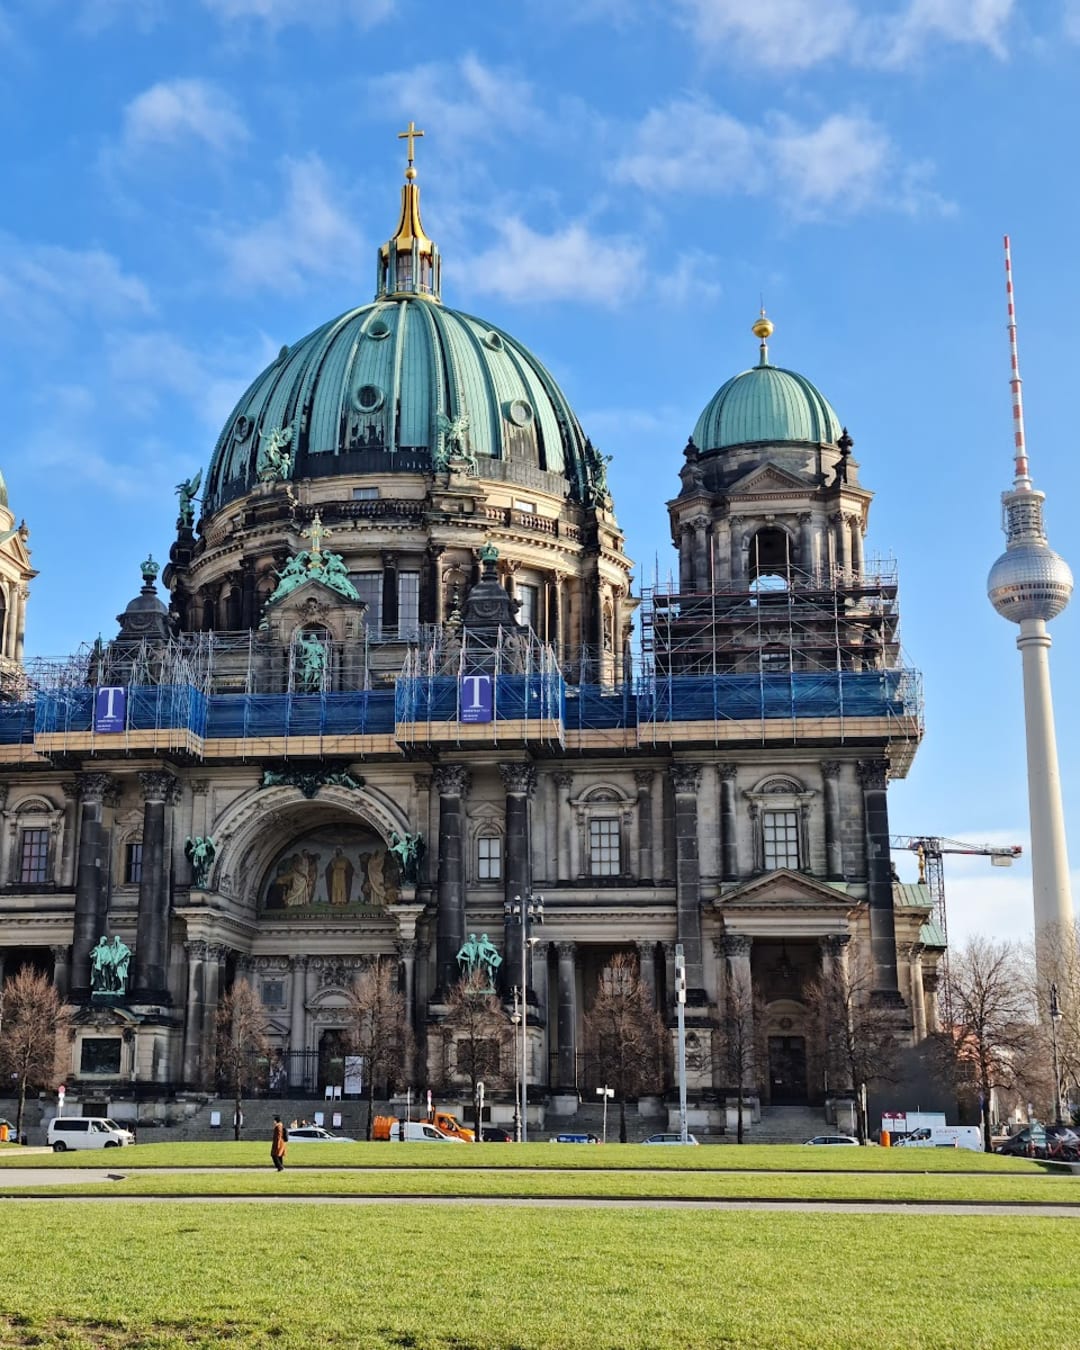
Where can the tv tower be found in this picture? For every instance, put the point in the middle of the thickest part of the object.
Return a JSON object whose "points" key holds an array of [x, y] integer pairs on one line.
{"points": [[1029, 585]]}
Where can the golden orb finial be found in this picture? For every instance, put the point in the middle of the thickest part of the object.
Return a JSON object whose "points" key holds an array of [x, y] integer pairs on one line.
{"points": [[763, 327]]}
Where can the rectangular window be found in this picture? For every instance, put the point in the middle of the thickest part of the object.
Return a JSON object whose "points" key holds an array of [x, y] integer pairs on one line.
{"points": [[604, 858], [369, 588], [526, 508], [528, 614], [100, 1054], [132, 864], [489, 857], [365, 494], [781, 839], [34, 857], [408, 602], [273, 993]]}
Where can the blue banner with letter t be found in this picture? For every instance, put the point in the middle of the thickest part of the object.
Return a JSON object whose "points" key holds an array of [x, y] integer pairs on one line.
{"points": [[110, 708], [475, 694]]}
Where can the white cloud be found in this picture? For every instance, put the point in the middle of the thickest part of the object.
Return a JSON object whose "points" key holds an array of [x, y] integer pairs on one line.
{"points": [[845, 164], [175, 111], [316, 13], [466, 100], [570, 264], [44, 286], [797, 34], [310, 236]]}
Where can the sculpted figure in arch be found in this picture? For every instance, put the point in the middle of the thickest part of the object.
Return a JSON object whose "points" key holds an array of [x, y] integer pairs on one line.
{"points": [[380, 891]]}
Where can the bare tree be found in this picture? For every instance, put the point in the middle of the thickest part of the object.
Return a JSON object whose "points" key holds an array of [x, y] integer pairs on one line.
{"points": [[476, 1023], [857, 1040], [739, 1043], [242, 1044], [32, 1016], [1054, 986], [990, 1041], [378, 1030], [625, 1036]]}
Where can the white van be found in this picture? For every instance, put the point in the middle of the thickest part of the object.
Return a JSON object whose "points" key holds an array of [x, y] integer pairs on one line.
{"points": [[420, 1132], [944, 1136], [70, 1132]]}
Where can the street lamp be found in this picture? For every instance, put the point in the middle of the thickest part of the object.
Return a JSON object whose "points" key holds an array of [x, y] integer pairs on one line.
{"points": [[525, 912], [1055, 1018], [515, 1017], [605, 1092]]}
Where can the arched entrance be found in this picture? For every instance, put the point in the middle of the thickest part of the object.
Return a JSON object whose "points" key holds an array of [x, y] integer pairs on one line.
{"points": [[333, 1048]]}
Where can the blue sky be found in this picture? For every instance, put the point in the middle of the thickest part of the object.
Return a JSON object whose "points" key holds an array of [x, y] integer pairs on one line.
{"points": [[192, 183]]}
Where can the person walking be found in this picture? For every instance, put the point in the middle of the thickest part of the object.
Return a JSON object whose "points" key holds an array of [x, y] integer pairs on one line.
{"points": [[279, 1143]]}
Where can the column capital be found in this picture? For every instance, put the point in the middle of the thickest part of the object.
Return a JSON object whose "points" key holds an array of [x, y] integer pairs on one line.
{"points": [[737, 945], [94, 787], [563, 778], [157, 784], [197, 950], [200, 786], [833, 944], [644, 778], [518, 779], [298, 963], [452, 780], [60, 953], [685, 778], [70, 789], [830, 768], [566, 950], [422, 782], [4, 789], [726, 772], [873, 773], [406, 948]]}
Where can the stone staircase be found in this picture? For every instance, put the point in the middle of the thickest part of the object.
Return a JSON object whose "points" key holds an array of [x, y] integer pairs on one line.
{"points": [[788, 1125]]}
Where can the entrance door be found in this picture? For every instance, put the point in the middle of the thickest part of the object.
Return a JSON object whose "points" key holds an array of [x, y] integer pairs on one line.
{"points": [[787, 1070], [331, 1059]]}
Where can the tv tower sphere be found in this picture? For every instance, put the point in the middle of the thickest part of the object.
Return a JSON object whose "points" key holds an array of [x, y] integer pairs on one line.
{"points": [[1030, 581]]}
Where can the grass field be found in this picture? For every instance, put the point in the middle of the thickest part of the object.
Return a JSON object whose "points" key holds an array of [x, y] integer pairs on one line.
{"points": [[477, 1278], [754, 1157]]}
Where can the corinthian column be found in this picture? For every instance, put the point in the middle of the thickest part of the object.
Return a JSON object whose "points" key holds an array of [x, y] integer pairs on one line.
{"points": [[90, 894], [452, 782], [686, 781], [834, 849], [152, 930], [519, 780], [873, 776]]}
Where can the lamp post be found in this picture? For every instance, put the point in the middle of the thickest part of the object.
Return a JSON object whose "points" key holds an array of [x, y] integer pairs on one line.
{"points": [[515, 1017], [605, 1092], [1055, 1018], [680, 1007], [525, 912]]}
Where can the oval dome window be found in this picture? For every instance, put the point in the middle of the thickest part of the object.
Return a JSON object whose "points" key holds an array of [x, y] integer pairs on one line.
{"points": [[378, 330], [494, 341], [369, 398], [519, 412]]}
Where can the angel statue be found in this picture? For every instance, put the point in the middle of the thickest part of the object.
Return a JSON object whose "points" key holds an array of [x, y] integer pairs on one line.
{"points": [[408, 849], [186, 492], [275, 458], [201, 850], [454, 443]]}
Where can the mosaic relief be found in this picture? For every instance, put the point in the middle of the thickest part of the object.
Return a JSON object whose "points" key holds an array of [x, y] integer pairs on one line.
{"points": [[335, 867]]}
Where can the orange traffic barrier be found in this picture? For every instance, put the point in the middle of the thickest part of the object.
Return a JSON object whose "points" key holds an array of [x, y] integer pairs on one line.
{"points": [[886, 1139]]}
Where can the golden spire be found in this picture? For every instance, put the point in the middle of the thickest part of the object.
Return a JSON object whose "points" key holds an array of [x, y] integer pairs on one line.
{"points": [[763, 328], [409, 261]]}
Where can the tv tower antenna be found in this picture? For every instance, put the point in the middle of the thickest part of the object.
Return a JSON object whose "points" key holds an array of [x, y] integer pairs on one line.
{"points": [[1030, 585]]}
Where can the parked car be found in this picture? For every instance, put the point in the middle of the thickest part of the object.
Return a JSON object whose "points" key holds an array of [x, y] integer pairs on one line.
{"points": [[495, 1134], [315, 1134], [576, 1139], [1042, 1141], [12, 1137], [833, 1139], [75, 1132], [669, 1139]]}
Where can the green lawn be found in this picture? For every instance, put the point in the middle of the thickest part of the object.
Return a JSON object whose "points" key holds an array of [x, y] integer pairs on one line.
{"points": [[837, 1186], [477, 1278], [797, 1157]]}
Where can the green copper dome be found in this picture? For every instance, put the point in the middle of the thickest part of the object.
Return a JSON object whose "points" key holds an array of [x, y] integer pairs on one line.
{"points": [[395, 386], [766, 404]]}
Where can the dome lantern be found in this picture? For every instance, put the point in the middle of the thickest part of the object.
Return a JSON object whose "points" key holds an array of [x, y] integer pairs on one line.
{"points": [[409, 262]]}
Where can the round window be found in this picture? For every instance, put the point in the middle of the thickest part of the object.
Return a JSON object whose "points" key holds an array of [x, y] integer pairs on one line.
{"points": [[378, 330], [494, 341], [242, 427], [519, 412], [369, 398]]}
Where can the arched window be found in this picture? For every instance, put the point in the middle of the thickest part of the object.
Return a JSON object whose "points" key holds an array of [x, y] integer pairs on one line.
{"points": [[770, 556]]}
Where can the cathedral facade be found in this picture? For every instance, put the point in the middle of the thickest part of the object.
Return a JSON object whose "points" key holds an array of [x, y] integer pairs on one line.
{"points": [[395, 685]]}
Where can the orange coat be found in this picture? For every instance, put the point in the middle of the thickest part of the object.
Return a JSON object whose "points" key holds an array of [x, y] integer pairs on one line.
{"points": [[278, 1145]]}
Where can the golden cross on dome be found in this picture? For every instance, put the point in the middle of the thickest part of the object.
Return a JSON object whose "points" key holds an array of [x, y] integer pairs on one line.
{"points": [[316, 533], [410, 136]]}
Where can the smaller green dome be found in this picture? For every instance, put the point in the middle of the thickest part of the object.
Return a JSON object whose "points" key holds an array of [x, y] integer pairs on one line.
{"points": [[766, 403]]}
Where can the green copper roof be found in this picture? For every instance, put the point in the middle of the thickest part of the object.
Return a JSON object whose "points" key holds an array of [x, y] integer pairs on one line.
{"points": [[765, 403], [390, 386]]}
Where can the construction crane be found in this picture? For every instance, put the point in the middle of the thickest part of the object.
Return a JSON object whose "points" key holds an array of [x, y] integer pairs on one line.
{"points": [[930, 851]]}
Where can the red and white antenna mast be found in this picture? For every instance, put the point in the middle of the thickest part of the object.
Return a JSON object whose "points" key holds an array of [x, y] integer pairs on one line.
{"points": [[1015, 382]]}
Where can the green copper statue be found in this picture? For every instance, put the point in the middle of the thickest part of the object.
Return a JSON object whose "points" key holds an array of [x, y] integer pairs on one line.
{"points": [[310, 662], [200, 850], [408, 849], [186, 492], [479, 958], [275, 458], [327, 568], [109, 966]]}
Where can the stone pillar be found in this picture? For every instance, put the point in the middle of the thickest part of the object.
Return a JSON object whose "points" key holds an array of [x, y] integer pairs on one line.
{"points": [[834, 844], [643, 778], [297, 1020], [194, 1012], [686, 558], [668, 949], [647, 966], [425, 812], [557, 582], [564, 781], [722, 551], [930, 1005], [858, 556], [519, 780], [806, 544], [215, 956], [452, 782], [702, 579], [152, 932], [91, 896], [9, 840], [740, 1004], [729, 825], [918, 993], [738, 554], [65, 863], [686, 781], [23, 593], [843, 542], [834, 955], [567, 1071], [873, 776], [61, 957]]}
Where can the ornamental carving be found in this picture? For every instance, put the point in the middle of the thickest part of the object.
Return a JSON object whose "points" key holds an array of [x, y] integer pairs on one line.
{"points": [[644, 779], [309, 783], [727, 772], [830, 768], [452, 780], [518, 779], [156, 784], [873, 773], [563, 779], [685, 778], [737, 946], [94, 786]]}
